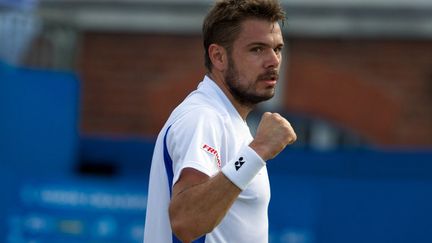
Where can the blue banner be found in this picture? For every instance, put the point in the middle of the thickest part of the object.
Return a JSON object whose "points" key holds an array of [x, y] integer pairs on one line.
{"points": [[19, 4]]}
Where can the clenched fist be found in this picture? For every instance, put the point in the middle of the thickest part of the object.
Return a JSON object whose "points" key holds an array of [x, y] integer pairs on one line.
{"points": [[274, 133]]}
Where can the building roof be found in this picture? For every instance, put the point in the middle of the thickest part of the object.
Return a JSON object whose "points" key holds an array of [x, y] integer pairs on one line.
{"points": [[315, 18]]}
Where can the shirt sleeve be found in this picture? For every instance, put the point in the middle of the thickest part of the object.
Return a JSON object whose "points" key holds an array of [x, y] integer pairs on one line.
{"points": [[194, 141]]}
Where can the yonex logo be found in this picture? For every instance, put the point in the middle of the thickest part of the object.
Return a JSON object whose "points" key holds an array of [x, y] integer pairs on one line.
{"points": [[239, 163]]}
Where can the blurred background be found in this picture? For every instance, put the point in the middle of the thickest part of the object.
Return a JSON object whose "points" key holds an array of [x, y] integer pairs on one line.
{"points": [[85, 86]]}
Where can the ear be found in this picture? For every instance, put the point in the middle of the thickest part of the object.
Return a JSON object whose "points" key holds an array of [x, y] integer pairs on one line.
{"points": [[218, 57]]}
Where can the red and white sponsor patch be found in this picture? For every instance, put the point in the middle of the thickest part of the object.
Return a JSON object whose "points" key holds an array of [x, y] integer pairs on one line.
{"points": [[213, 152]]}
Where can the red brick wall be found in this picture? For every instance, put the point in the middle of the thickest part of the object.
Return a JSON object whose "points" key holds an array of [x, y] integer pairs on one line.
{"points": [[380, 89], [131, 82]]}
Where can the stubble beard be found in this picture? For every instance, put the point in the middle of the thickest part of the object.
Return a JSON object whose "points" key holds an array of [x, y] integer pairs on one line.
{"points": [[246, 95]]}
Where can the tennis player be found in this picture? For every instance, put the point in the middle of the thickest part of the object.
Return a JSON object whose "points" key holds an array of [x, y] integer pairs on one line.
{"points": [[208, 179]]}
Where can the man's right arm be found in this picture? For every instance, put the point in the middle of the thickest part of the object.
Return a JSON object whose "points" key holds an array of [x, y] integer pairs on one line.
{"points": [[200, 202]]}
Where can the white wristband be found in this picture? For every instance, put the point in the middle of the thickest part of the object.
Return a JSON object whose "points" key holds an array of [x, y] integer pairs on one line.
{"points": [[242, 170]]}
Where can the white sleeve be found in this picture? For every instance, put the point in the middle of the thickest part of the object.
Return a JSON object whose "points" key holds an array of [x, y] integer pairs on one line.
{"points": [[194, 141]]}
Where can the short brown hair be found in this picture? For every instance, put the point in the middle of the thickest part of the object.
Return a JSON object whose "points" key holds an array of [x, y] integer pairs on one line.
{"points": [[222, 23]]}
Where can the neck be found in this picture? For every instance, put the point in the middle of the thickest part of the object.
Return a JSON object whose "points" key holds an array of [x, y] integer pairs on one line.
{"points": [[243, 110]]}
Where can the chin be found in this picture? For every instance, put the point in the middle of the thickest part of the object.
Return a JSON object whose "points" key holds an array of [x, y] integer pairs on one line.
{"points": [[269, 94]]}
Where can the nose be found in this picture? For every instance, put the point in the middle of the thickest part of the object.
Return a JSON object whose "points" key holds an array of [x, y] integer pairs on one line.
{"points": [[273, 59]]}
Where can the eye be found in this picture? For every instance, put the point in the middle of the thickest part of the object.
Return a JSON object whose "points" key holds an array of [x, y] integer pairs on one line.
{"points": [[278, 50], [257, 49]]}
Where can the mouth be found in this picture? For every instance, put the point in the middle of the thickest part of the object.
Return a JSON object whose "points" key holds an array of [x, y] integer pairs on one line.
{"points": [[270, 78], [270, 82]]}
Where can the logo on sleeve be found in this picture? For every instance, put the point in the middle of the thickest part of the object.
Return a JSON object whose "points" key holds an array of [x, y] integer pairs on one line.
{"points": [[239, 163], [213, 152]]}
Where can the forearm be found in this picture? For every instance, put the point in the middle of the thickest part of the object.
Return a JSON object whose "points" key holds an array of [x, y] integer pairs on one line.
{"points": [[198, 209]]}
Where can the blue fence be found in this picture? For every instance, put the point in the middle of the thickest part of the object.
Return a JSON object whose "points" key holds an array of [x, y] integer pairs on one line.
{"points": [[38, 118], [309, 204], [366, 196]]}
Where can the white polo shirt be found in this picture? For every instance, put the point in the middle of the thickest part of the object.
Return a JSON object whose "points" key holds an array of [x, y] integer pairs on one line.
{"points": [[205, 132]]}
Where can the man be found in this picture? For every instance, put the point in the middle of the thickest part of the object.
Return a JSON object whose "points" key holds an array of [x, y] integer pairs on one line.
{"points": [[208, 180]]}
